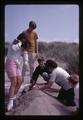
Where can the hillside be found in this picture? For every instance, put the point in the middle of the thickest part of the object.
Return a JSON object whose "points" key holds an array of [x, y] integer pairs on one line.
{"points": [[65, 54]]}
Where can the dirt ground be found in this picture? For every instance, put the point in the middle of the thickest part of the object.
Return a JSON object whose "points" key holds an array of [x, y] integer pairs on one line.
{"points": [[37, 102]]}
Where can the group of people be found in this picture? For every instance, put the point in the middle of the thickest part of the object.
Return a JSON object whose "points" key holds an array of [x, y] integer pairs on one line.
{"points": [[26, 46], [52, 73]]}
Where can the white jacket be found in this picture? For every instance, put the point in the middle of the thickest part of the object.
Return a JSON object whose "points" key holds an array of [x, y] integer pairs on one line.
{"points": [[14, 52]]}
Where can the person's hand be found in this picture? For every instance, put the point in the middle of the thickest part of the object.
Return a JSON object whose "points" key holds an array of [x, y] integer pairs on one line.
{"points": [[18, 64], [35, 86], [42, 89]]}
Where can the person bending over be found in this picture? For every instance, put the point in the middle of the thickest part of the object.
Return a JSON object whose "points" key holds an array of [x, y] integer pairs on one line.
{"points": [[63, 79]]}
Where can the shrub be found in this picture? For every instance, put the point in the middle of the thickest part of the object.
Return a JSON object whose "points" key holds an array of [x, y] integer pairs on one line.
{"points": [[66, 54], [62, 52]]}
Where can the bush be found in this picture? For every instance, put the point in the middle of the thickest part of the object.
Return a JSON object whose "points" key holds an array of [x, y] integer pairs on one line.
{"points": [[65, 54]]}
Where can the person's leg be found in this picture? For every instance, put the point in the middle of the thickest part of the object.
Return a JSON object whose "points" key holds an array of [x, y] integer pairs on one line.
{"points": [[11, 92], [71, 101], [32, 83], [19, 80], [70, 97], [12, 86], [62, 94], [11, 68], [25, 67], [19, 83], [32, 59], [46, 77]]}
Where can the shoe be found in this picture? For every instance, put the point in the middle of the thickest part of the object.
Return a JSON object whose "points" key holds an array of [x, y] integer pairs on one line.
{"points": [[30, 87], [10, 105], [26, 89]]}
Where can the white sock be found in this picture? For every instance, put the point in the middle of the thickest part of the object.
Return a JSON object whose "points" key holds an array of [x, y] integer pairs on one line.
{"points": [[10, 104]]}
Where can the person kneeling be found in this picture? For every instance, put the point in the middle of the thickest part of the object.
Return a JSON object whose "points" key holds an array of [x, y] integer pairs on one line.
{"points": [[39, 70], [64, 80]]}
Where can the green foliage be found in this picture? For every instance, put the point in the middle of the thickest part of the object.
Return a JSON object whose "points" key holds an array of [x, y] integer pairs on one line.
{"points": [[65, 54]]}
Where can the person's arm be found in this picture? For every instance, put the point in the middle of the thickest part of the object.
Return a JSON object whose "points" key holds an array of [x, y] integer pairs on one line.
{"points": [[36, 43], [34, 78], [47, 86], [36, 46], [35, 75]]}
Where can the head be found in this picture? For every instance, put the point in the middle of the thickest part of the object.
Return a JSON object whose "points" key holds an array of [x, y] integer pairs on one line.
{"points": [[22, 37], [32, 25], [41, 61], [50, 65], [15, 41], [74, 79]]}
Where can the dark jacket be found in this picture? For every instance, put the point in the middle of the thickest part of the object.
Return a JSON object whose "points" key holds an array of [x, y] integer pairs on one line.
{"points": [[38, 71]]}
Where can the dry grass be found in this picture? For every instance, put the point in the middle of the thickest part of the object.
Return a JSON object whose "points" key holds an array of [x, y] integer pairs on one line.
{"points": [[65, 54]]}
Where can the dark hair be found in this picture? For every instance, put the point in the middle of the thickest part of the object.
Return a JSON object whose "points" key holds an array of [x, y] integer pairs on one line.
{"points": [[32, 24], [50, 63], [21, 36], [23, 39]]}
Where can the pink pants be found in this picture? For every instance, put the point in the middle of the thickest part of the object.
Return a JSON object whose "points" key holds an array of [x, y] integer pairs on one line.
{"points": [[12, 69]]}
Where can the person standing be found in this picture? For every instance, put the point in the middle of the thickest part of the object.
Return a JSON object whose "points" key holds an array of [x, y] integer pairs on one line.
{"points": [[13, 69], [30, 53]]}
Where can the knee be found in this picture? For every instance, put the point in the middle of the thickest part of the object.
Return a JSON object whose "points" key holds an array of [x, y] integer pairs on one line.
{"points": [[20, 82], [14, 82]]}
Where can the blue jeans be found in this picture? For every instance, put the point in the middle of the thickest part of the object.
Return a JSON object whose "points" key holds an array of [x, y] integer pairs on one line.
{"points": [[45, 76]]}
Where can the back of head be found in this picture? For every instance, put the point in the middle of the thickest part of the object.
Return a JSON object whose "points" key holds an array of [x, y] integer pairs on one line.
{"points": [[21, 37], [51, 63], [74, 78], [32, 24]]}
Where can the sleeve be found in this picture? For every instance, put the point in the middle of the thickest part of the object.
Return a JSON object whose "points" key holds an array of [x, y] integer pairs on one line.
{"points": [[36, 43], [16, 46], [35, 74], [53, 76], [21, 36], [36, 36]]}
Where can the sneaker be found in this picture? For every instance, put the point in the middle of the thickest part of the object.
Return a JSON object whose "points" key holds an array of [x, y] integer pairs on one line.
{"points": [[25, 90], [30, 87], [10, 105]]}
